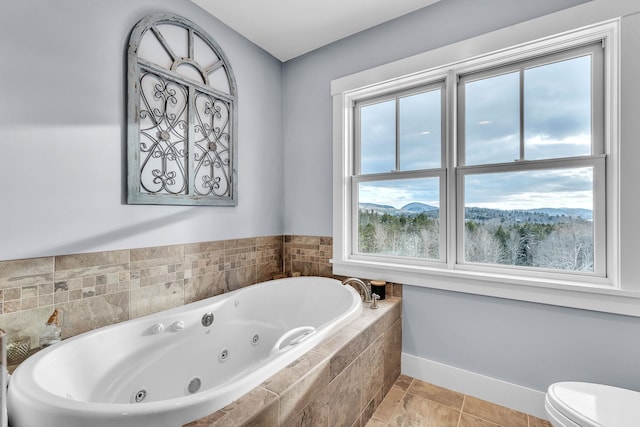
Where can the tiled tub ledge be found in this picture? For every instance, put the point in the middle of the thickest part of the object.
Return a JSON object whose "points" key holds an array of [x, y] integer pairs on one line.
{"points": [[339, 383]]}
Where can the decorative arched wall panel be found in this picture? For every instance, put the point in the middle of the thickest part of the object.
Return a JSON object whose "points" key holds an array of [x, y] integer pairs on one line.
{"points": [[182, 124]]}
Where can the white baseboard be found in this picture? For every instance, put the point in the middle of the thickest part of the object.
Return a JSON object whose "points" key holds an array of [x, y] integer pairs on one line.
{"points": [[512, 396]]}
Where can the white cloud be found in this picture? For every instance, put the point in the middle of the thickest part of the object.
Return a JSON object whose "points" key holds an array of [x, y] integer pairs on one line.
{"points": [[545, 140]]}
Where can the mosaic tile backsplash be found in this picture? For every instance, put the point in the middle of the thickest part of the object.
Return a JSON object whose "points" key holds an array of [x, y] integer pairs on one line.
{"points": [[103, 288]]}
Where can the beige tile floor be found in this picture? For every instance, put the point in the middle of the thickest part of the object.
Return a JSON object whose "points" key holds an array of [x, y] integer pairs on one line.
{"points": [[415, 403]]}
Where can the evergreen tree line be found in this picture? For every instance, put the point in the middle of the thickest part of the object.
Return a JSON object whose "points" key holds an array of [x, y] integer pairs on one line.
{"points": [[559, 245]]}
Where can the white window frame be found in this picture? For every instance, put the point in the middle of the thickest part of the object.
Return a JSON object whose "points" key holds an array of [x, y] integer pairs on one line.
{"points": [[597, 161], [596, 292]]}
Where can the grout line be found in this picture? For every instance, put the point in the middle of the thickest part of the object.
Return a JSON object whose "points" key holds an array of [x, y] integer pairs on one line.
{"points": [[395, 408], [411, 383], [464, 397], [462, 409]]}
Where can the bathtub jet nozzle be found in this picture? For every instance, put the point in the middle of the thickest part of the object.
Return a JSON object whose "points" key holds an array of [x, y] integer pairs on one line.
{"points": [[207, 319]]}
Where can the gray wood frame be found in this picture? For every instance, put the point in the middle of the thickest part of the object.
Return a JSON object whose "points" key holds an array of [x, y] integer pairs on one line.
{"points": [[137, 67]]}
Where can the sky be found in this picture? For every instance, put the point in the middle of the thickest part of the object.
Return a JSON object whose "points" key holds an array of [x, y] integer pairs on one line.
{"points": [[557, 123]]}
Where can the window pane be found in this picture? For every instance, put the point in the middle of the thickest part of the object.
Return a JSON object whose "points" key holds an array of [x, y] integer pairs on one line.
{"points": [[539, 218], [557, 109], [400, 218], [378, 137], [420, 133], [492, 120]]}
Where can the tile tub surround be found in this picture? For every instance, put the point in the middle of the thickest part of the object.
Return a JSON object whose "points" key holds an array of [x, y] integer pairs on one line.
{"points": [[103, 288], [339, 383], [308, 255], [412, 402]]}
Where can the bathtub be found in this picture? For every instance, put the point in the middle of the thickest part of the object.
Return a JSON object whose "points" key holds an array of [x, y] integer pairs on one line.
{"points": [[179, 365]]}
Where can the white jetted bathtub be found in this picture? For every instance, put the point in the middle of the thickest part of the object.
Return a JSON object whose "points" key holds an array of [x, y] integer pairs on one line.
{"points": [[177, 366]]}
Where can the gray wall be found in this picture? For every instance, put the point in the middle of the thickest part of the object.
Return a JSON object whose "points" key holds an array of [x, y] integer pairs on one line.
{"points": [[307, 98], [524, 343], [532, 345], [62, 141]]}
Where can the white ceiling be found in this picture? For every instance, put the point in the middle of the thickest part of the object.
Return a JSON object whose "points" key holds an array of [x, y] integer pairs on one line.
{"points": [[289, 28]]}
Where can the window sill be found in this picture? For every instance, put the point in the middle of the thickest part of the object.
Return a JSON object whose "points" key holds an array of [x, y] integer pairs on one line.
{"points": [[581, 295]]}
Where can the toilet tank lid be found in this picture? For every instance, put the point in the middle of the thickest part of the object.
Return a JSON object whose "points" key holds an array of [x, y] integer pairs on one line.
{"points": [[595, 404]]}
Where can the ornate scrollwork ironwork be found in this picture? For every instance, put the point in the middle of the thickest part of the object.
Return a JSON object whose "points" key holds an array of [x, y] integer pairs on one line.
{"points": [[163, 135], [182, 127], [212, 145]]}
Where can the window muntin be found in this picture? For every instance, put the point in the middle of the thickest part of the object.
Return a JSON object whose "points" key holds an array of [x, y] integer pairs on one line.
{"points": [[507, 139], [543, 108], [399, 190], [403, 133]]}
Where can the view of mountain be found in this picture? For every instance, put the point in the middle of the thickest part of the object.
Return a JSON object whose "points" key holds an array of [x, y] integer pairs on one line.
{"points": [[571, 212], [540, 215], [418, 207], [381, 209], [410, 209]]}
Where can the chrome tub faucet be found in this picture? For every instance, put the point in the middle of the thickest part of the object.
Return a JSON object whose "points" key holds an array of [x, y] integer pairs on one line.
{"points": [[368, 296]]}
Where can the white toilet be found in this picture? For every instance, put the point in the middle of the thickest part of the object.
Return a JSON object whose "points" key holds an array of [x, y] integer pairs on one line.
{"points": [[576, 404]]}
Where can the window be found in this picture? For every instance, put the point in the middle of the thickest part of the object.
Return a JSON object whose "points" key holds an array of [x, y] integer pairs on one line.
{"points": [[181, 112], [531, 164], [483, 173]]}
